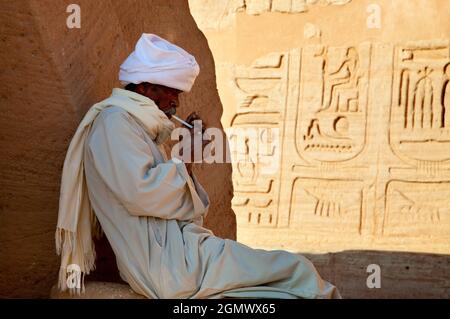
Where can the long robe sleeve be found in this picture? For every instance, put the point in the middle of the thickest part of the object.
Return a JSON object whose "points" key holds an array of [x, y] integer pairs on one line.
{"points": [[125, 162]]}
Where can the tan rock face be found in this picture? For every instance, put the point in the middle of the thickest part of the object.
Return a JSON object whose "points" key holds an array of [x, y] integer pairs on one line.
{"points": [[345, 109], [50, 76], [217, 14]]}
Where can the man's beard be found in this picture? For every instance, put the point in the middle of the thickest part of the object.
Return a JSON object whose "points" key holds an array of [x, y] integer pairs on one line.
{"points": [[170, 112]]}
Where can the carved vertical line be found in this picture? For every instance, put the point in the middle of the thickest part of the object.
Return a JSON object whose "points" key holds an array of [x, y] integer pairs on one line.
{"points": [[290, 118]]}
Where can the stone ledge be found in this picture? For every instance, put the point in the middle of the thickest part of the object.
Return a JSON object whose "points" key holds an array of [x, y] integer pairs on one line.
{"points": [[99, 290]]}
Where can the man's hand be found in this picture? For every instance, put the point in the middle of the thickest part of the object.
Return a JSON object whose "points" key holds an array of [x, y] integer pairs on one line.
{"points": [[195, 130]]}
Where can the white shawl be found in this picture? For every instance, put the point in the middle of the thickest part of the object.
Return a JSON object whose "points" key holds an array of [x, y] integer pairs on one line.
{"points": [[76, 220]]}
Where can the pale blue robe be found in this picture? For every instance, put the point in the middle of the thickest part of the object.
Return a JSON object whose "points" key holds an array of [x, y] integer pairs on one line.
{"points": [[152, 213]]}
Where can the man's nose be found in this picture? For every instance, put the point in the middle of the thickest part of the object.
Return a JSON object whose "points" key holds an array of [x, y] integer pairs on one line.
{"points": [[174, 103]]}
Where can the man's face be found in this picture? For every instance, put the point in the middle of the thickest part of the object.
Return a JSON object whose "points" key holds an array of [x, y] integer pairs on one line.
{"points": [[165, 98]]}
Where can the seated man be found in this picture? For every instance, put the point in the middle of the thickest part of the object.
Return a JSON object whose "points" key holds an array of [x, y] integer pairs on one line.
{"points": [[151, 208]]}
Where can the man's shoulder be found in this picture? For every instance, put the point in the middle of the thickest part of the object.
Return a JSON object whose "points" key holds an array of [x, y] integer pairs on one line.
{"points": [[117, 111], [113, 121], [114, 115]]}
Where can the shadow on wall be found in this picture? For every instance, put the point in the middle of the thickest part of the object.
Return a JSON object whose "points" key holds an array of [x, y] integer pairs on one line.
{"points": [[51, 75], [402, 275]]}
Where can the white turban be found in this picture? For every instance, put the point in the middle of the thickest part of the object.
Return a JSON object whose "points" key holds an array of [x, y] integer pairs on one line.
{"points": [[158, 61]]}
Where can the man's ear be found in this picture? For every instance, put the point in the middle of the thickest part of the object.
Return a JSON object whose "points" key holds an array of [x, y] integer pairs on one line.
{"points": [[140, 88]]}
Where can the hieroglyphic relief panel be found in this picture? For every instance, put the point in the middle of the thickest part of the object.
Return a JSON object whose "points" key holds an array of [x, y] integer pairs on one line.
{"points": [[417, 196], [331, 112], [329, 171], [363, 116], [336, 164], [254, 138]]}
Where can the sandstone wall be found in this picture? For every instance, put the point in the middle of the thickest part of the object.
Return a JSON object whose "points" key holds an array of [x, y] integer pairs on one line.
{"points": [[351, 104], [50, 76]]}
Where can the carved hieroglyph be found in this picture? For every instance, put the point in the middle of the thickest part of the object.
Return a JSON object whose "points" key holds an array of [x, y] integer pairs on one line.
{"points": [[420, 116], [332, 120], [257, 123]]}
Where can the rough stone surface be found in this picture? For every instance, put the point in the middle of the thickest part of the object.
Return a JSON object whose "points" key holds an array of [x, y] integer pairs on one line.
{"points": [[50, 76], [99, 290], [402, 275], [343, 111]]}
